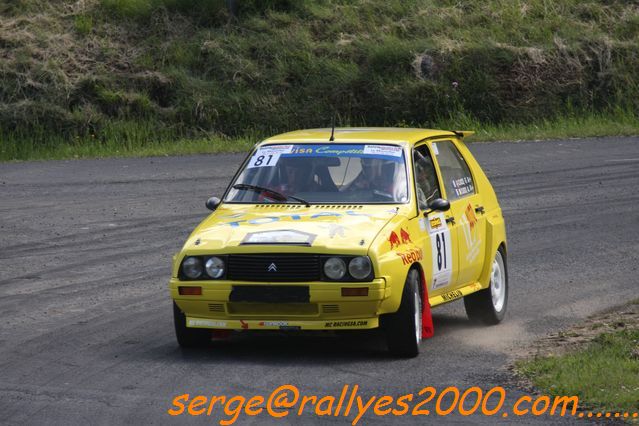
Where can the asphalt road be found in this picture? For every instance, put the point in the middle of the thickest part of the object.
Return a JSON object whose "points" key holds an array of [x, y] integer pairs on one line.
{"points": [[86, 332]]}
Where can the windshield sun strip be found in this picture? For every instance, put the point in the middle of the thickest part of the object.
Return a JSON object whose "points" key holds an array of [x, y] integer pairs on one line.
{"points": [[242, 168]]}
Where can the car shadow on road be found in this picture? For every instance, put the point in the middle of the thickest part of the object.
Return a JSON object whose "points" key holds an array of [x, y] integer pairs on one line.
{"points": [[313, 348]]}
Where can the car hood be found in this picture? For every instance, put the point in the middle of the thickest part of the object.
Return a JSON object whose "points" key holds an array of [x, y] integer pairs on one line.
{"points": [[242, 228]]}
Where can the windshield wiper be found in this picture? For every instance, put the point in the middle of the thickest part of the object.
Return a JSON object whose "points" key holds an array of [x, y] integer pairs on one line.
{"points": [[261, 189]]}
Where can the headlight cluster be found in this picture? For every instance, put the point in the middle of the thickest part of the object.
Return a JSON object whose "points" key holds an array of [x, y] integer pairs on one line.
{"points": [[359, 268], [202, 268]]}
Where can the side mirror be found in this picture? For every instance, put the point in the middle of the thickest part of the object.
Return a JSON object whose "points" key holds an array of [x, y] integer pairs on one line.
{"points": [[438, 205], [213, 203]]}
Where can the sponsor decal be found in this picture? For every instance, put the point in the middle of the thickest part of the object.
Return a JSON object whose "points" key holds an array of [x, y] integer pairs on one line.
{"points": [[411, 256], [452, 295], [435, 223], [463, 186], [393, 151], [193, 322], [396, 241], [337, 324], [273, 323], [405, 236], [393, 239], [335, 230], [283, 236], [470, 215], [471, 233], [256, 221], [244, 325]]}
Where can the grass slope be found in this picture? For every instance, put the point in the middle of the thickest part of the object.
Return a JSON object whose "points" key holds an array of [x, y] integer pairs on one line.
{"points": [[106, 77]]}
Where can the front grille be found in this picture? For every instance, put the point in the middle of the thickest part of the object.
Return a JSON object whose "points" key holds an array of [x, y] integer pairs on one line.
{"points": [[273, 267]]}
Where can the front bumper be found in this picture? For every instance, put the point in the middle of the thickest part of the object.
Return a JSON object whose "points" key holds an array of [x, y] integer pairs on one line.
{"points": [[326, 309]]}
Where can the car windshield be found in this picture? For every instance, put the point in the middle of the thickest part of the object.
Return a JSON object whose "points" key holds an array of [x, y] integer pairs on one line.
{"points": [[323, 173]]}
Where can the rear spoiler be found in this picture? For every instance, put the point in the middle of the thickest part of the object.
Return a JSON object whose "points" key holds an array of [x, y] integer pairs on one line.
{"points": [[463, 133]]}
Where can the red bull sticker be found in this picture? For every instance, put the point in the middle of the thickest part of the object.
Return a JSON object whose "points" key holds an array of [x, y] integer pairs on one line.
{"points": [[398, 240], [393, 239], [411, 256]]}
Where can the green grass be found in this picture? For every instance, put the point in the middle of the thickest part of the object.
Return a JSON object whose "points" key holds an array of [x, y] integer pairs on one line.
{"points": [[605, 374], [129, 139], [507, 67]]}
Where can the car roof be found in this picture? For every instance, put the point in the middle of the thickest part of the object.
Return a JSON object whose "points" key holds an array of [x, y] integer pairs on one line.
{"points": [[398, 135]]}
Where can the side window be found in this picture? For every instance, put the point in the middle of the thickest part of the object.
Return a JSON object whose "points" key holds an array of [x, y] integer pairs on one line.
{"points": [[425, 177], [458, 182]]}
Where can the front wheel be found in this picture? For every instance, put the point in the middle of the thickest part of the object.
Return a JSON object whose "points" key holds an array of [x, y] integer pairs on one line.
{"points": [[188, 337], [404, 327], [489, 305]]}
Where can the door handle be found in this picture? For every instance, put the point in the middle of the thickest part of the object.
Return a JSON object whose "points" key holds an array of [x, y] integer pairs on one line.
{"points": [[450, 220], [480, 210]]}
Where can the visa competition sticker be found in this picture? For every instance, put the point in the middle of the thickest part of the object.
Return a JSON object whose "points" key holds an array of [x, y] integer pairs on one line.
{"points": [[268, 156], [387, 150]]}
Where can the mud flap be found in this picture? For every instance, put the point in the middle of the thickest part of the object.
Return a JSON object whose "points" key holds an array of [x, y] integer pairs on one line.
{"points": [[427, 319]]}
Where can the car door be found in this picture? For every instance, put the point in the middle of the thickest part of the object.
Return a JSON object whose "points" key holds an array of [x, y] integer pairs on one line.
{"points": [[442, 232], [458, 187]]}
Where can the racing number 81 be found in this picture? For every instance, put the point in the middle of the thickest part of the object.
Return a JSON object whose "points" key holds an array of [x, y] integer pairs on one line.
{"points": [[259, 160], [440, 242]]}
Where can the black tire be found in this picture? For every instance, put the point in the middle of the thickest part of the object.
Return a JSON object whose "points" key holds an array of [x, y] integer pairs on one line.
{"points": [[482, 306], [404, 327], [188, 337]]}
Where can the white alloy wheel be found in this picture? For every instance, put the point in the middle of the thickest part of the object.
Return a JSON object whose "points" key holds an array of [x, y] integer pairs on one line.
{"points": [[497, 286]]}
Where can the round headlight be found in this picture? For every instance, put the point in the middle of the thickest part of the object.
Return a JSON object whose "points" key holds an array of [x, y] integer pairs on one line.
{"points": [[215, 267], [192, 267], [360, 267], [335, 268]]}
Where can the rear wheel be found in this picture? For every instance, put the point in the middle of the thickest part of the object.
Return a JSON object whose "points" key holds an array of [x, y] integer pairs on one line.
{"points": [[489, 305], [404, 327], [188, 337]]}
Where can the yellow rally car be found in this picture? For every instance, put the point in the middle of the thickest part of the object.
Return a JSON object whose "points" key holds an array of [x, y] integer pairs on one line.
{"points": [[350, 228]]}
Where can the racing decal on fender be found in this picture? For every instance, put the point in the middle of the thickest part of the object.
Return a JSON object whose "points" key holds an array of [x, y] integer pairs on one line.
{"points": [[411, 256], [394, 240], [471, 233], [337, 324], [405, 236], [441, 249], [452, 295]]}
